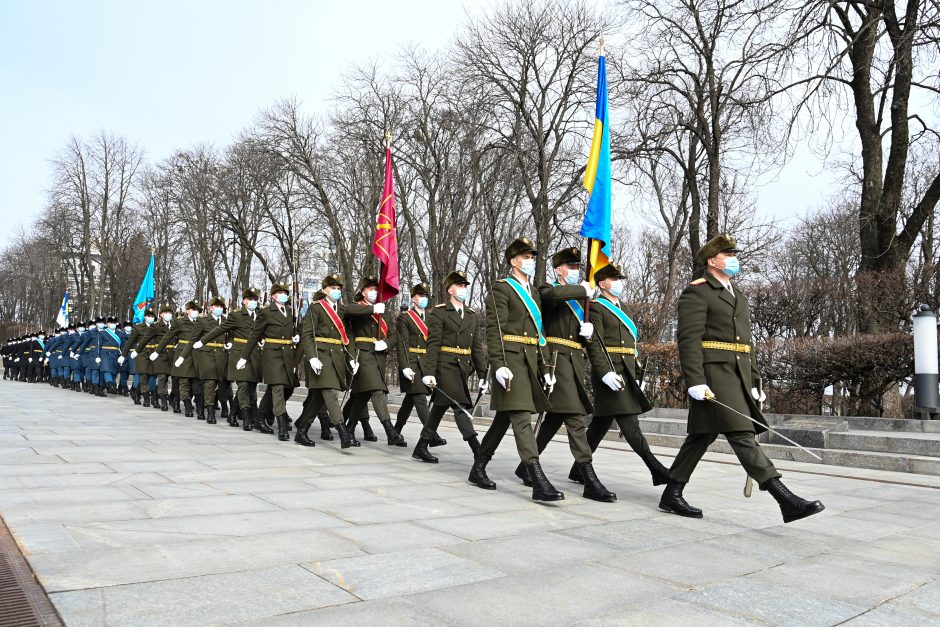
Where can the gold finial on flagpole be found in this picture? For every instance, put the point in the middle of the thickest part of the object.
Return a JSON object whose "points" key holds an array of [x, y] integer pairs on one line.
{"points": [[602, 45], [388, 138]]}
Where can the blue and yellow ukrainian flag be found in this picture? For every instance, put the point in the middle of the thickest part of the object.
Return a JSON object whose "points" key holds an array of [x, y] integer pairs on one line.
{"points": [[145, 293], [597, 222]]}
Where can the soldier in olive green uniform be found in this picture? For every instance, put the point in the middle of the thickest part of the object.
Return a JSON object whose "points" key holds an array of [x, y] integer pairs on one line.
{"points": [[567, 334], [183, 332], [617, 393], [717, 358], [146, 380], [160, 361], [369, 328], [455, 351], [324, 341], [516, 346], [275, 325], [412, 331], [210, 360]]}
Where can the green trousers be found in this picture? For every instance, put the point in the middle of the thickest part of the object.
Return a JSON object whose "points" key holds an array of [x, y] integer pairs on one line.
{"points": [[577, 435], [743, 443], [521, 422]]}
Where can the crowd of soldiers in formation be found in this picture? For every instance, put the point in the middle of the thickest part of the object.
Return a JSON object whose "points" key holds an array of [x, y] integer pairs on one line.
{"points": [[536, 356]]}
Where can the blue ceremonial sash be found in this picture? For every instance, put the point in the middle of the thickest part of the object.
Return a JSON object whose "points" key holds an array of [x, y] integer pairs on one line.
{"points": [[42, 344], [575, 306], [534, 312], [623, 317], [114, 335]]}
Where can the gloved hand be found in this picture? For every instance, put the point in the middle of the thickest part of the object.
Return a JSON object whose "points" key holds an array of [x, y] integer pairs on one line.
{"points": [[154, 356], [483, 386], [613, 380], [178, 362], [45, 361], [378, 308], [429, 381], [228, 346], [586, 330], [240, 364], [758, 395], [504, 376], [588, 290], [316, 365], [133, 354], [197, 345], [700, 392], [381, 345], [16, 361], [48, 354], [643, 386], [97, 360], [409, 374], [60, 356], [354, 366], [121, 360], [295, 339], [30, 360], [549, 379]]}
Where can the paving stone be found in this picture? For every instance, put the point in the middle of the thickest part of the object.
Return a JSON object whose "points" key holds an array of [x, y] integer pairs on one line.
{"points": [[389, 612], [539, 551], [396, 536], [483, 526]]}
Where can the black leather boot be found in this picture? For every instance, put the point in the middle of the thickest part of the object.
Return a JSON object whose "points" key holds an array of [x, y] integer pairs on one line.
{"points": [[225, 411], [301, 437], [575, 474], [346, 439], [437, 441], [155, 400], [145, 398], [659, 472], [188, 404], [200, 411], [176, 406], [673, 502], [593, 488], [394, 437], [100, 391], [325, 433], [135, 396], [791, 506], [246, 419], [261, 425], [282, 432], [367, 433], [522, 474], [478, 472], [210, 415], [421, 452], [542, 488], [233, 417], [164, 405]]}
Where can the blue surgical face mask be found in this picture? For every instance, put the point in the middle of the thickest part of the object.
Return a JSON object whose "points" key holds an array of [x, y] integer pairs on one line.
{"points": [[528, 267], [573, 277], [371, 296], [193, 314], [216, 311], [112, 326], [732, 266], [335, 295], [81, 329], [128, 329], [251, 305], [461, 294], [100, 325], [149, 319], [616, 288], [422, 302], [282, 298]]}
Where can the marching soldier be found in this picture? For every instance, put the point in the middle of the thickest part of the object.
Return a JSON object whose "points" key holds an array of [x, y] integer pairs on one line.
{"points": [[211, 363], [75, 364], [567, 335], [275, 325], [717, 359], [109, 349], [455, 351], [324, 341], [159, 359], [516, 346], [235, 329], [181, 333], [125, 366], [88, 353], [369, 328], [145, 383]]}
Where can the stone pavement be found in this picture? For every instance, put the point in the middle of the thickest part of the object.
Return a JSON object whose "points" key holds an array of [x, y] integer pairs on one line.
{"points": [[131, 516]]}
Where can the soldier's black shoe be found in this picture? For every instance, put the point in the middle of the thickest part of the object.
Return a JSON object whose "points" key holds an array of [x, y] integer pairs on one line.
{"points": [[394, 437], [225, 411], [367, 433], [189, 408], [575, 474], [522, 474], [345, 437], [437, 441], [421, 452], [99, 391], [232, 419], [282, 433], [164, 405], [200, 412], [593, 488], [542, 488], [145, 398], [673, 502], [246, 419], [659, 472], [791, 506], [261, 425], [478, 473], [325, 433], [155, 400], [176, 406], [210, 416], [301, 436]]}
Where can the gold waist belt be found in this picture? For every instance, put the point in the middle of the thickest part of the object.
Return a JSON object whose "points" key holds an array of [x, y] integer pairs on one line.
{"points": [[563, 342], [728, 346], [328, 340], [455, 350], [420, 351], [183, 341], [364, 339], [240, 340], [521, 339], [275, 340], [151, 345], [621, 350], [110, 348], [214, 345]]}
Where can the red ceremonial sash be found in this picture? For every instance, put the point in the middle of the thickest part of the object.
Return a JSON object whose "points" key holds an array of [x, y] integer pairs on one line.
{"points": [[419, 323], [336, 321], [383, 326]]}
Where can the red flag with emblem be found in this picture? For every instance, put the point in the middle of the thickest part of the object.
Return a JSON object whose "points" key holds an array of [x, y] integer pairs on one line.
{"points": [[385, 244]]}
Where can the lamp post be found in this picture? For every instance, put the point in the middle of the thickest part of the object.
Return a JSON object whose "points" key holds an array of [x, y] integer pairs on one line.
{"points": [[925, 364]]}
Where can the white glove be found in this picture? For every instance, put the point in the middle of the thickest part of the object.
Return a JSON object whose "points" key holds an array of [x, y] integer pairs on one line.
{"points": [[45, 362], [30, 360], [586, 330], [409, 374], [429, 381], [154, 356], [133, 354], [504, 376], [549, 379], [48, 354], [295, 339], [240, 364], [643, 386], [16, 361], [613, 381], [261, 342], [197, 345], [228, 346], [178, 362], [97, 360], [378, 308], [316, 365], [700, 392], [758, 395], [60, 356], [381, 345], [588, 290], [354, 366], [483, 386], [121, 360]]}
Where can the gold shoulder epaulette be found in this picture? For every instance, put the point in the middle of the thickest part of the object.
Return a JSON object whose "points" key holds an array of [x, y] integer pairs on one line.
{"points": [[441, 305], [698, 281]]}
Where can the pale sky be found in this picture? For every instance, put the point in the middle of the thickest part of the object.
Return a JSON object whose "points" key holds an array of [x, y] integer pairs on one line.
{"points": [[173, 74]]}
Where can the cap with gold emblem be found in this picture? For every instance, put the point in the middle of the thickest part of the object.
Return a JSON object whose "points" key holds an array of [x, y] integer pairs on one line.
{"points": [[149, 312], [218, 301], [279, 287], [721, 243], [193, 305], [365, 282], [455, 278], [251, 293], [331, 279], [166, 307], [610, 271], [421, 288], [520, 246], [566, 255]]}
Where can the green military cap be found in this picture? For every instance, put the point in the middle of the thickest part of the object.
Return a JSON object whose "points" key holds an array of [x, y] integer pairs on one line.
{"points": [[150, 312], [610, 271], [111, 319], [218, 301], [251, 293], [332, 279], [279, 287], [519, 246], [365, 282], [566, 255], [193, 305], [166, 307], [421, 288], [455, 278], [721, 243]]}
